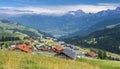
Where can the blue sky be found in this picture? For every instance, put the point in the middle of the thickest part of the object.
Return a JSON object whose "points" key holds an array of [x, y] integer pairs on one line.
{"points": [[52, 2], [55, 6]]}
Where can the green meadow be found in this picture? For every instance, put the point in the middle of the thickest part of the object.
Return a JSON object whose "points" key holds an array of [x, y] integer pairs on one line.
{"points": [[20, 60]]}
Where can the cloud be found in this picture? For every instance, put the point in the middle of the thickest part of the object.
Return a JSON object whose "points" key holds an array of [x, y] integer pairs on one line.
{"points": [[58, 10]]}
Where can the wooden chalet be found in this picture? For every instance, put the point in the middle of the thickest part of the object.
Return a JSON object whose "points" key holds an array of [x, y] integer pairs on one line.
{"points": [[25, 48]]}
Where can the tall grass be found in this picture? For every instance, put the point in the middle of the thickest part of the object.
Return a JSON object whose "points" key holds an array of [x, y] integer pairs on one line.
{"points": [[103, 64], [19, 60]]}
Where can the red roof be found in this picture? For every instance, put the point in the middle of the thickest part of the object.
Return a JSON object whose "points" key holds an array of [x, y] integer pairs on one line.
{"points": [[58, 48], [25, 48]]}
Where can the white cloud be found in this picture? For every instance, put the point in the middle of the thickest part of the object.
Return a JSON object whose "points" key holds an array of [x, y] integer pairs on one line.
{"points": [[57, 9]]}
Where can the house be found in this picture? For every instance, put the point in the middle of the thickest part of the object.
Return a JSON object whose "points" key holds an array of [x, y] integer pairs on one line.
{"points": [[58, 48], [1, 44], [72, 47], [54, 39], [91, 54], [25, 48], [39, 45], [12, 46], [29, 38], [70, 53], [80, 54], [49, 38], [61, 43]]}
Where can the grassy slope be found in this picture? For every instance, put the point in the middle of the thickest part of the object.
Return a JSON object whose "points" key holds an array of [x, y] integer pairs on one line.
{"points": [[21, 31], [18, 60], [103, 64]]}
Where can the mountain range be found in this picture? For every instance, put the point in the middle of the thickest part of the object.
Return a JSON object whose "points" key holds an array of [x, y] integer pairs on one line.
{"points": [[70, 24], [98, 30]]}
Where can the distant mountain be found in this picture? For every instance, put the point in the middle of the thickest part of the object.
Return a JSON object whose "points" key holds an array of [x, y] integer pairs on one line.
{"points": [[76, 13], [71, 24], [107, 39], [17, 31], [103, 19], [99, 26]]}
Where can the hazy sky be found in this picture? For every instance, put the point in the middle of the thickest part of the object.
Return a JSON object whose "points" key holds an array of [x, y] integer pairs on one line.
{"points": [[55, 6]]}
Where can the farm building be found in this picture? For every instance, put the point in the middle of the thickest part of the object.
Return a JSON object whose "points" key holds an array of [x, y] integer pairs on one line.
{"points": [[70, 53], [25, 48], [91, 54], [58, 49]]}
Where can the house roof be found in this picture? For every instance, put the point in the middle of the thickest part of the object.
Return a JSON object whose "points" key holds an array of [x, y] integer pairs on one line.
{"points": [[1, 44], [72, 47], [91, 54], [24, 47], [39, 45], [58, 48], [70, 53]]}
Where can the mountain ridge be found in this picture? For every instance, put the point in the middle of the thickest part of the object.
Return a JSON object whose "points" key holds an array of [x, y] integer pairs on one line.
{"points": [[10, 29], [64, 25]]}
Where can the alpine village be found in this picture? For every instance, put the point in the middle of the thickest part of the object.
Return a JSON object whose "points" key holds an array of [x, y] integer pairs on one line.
{"points": [[59, 34]]}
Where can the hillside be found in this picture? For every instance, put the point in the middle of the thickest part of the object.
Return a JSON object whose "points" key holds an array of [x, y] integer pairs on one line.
{"points": [[9, 29], [104, 24], [98, 26], [107, 39], [19, 60]]}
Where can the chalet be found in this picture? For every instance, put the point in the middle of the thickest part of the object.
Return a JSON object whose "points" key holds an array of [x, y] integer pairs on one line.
{"points": [[70, 53], [39, 45], [26, 37], [25, 48], [91, 54], [72, 47], [1, 44], [61, 43], [54, 39], [80, 54], [12, 46], [49, 38], [58, 49], [29, 38]]}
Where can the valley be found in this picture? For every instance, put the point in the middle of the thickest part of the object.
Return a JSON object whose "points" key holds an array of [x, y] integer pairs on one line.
{"points": [[73, 40]]}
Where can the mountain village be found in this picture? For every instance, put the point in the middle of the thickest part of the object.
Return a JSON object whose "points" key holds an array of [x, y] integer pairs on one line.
{"points": [[47, 46]]}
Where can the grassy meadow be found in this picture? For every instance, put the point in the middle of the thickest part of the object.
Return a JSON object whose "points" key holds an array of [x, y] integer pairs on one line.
{"points": [[102, 64], [20, 60]]}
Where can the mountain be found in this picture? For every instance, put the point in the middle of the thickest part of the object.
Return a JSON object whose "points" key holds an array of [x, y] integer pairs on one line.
{"points": [[70, 24], [98, 26], [76, 13], [107, 39], [102, 19], [16, 31]]}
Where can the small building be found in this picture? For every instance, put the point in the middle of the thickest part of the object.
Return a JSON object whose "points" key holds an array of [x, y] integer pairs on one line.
{"points": [[72, 47], [1, 44], [29, 38], [25, 48], [39, 45], [58, 49], [49, 38], [80, 54], [12, 46], [70, 53], [61, 43], [91, 54]]}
